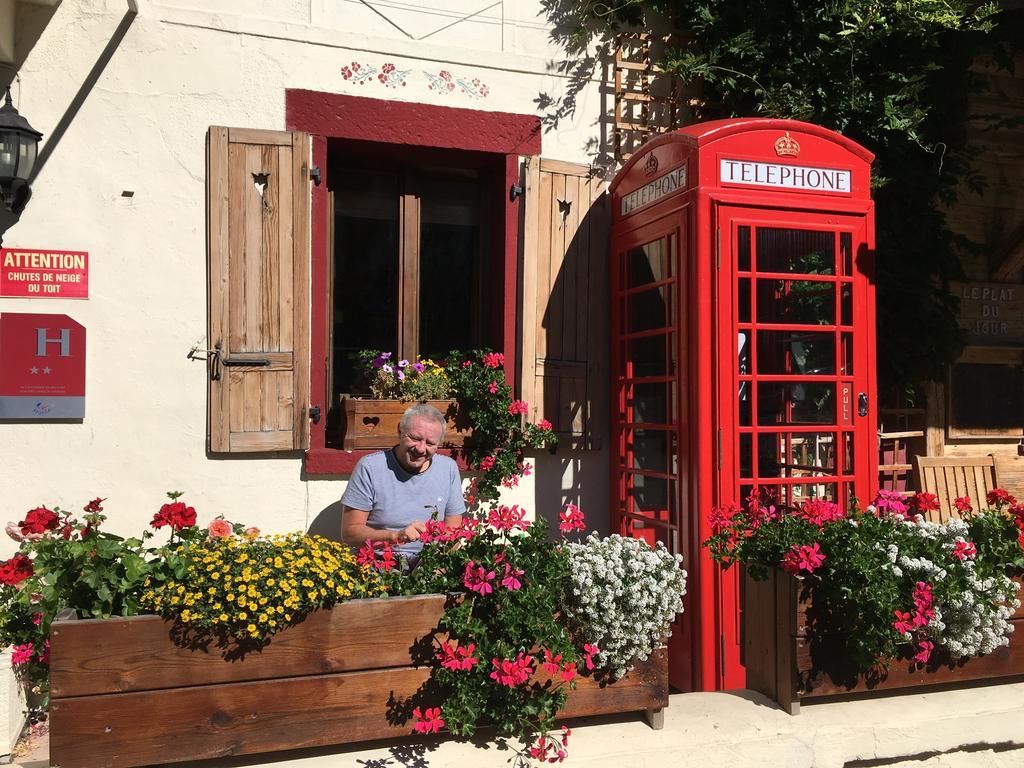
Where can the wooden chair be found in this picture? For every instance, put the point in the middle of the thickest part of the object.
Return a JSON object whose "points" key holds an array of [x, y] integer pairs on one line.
{"points": [[950, 477]]}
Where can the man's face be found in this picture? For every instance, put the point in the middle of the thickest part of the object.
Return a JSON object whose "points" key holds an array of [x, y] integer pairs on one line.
{"points": [[418, 444]]}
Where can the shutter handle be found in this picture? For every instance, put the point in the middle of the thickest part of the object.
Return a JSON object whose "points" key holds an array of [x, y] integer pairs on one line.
{"points": [[248, 362], [314, 414], [862, 404]]}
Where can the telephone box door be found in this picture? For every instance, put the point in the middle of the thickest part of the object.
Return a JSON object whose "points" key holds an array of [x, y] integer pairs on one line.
{"points": [[794, 380]]}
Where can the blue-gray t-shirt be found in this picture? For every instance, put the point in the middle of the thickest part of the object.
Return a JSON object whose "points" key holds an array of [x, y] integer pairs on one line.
{"points": [[394, 498]]}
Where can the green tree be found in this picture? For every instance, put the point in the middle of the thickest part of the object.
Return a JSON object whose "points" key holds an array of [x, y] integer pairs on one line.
{"points": [[893, 75]]}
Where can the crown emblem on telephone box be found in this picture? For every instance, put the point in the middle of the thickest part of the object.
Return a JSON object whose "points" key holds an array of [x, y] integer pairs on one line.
{"points": [[651, 165], [786, 146]]}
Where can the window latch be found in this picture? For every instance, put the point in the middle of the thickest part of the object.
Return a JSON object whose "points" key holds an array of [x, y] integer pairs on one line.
{"points": [[314, 414], [862, 404], [314, 175]]}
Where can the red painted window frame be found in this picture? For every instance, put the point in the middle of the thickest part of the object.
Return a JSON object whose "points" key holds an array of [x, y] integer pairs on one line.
{"points": [[331, 115]]}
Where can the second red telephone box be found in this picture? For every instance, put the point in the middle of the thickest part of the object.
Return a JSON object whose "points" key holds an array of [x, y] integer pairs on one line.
{"points": [[743, 355]]}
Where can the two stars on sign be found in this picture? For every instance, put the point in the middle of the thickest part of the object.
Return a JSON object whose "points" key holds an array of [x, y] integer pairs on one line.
{"points": [[34, 370]]}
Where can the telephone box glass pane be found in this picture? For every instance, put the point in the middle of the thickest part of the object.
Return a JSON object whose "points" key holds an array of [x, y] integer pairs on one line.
{"points": [[743, 300], [651, 403], [796, 352], [648, 310], [846, 303], [780, 403], [795, 250], [803, 302], [746, 454], [649, 355], [648, 263], [846, 253], [795, 495], [847, 453], [650, 449], [743, 249], [796, 454], [743, 352]]}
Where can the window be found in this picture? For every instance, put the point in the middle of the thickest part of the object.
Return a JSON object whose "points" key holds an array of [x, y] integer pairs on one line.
{"points": [[412, 262], [986, 393], [403, 142]]}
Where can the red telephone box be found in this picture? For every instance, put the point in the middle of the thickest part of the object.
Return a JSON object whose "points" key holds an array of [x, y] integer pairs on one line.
{"points": [[743, 353]]}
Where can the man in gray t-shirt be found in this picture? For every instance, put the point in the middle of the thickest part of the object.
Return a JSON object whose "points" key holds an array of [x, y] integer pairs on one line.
{"points": [[392, 494]]}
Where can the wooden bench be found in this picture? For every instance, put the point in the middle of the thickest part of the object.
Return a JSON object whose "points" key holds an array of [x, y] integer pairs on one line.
{"points": [[950, 477]]}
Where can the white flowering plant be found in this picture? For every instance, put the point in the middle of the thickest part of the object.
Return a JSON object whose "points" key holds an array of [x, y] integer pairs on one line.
{"points": [[884, 583], [623, 596]]}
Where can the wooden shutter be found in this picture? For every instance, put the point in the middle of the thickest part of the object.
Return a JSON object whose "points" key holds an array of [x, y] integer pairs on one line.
{"points": [[258, 270], [564, 364]]}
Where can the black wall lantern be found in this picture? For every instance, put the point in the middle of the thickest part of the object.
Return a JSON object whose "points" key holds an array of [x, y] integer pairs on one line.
{"points": [[19, 143]]}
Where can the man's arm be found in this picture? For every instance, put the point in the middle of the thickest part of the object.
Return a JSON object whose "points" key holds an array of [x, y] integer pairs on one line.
{"points": [[355, 532]]}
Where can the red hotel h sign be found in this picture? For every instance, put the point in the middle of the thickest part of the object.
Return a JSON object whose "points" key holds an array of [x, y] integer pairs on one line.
{"points": [[42, 367]]}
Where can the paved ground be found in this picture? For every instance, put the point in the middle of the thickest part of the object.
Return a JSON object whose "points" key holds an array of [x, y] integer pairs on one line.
{"points": [[980, 727]]}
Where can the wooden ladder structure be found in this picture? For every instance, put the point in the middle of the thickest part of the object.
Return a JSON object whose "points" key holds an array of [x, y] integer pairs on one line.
{"points": [[901, 435], [647, 99]]}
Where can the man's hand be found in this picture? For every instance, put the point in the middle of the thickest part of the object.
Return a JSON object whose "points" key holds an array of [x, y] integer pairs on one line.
{"points": [[412, 531]]}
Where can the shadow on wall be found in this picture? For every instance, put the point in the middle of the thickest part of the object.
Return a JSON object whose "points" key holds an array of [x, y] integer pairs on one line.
{"points": [[578, 478], [328, 522]]}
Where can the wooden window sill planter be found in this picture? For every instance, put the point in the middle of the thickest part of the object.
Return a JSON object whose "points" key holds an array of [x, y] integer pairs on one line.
{"points": [[124, 693], [369, 423], [785, 666]]}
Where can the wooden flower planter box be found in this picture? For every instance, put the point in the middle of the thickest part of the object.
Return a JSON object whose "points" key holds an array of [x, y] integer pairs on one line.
{"points": [[369, 423], [124, 693], [785, 666]]}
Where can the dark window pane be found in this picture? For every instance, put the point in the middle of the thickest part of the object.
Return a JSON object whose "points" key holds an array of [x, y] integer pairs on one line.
{"points": [[650, 449], [743, 300], [648, 356], [846, 252], [795, 352], [743, 249], [804, 302], [987, 396], [648, 263], [653, 403], [746, 454], [780, 403], [450, 264], [646, 310], [795, 250], [846, 302], [366, 265]]}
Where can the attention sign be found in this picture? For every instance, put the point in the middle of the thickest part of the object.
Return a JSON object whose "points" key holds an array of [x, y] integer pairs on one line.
{"points": [[42, 367], [28, 274]]}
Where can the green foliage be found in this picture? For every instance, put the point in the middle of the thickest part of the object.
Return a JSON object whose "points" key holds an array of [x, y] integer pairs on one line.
{"points": [[500, 436], [499, 621], [865, 570], [893, 76], [386, 378]]}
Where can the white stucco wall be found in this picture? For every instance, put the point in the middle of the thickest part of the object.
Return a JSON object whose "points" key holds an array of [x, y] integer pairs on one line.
{"points": [[182, 67]]}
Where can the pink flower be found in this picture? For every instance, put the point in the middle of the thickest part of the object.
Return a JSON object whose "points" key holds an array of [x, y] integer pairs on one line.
{"points": [[510, 580], [903, 624], [551, 664], [569, 671], [477, 579], [923, 601], [457, 658], [429, 721], [22, 654], [589, 652], [44, 657], [492, 387], [512, 672], [494, 360], [924, 651], [368, 555], [517, 407], [963, 550], [963, 504], [251, 532], [803, 558], [550, 749], [505, 518], [891, 502], [820, 511], [486, 463], [37, 619], [544, 424], [571, 519], [219, 528], [14, 532], [436, 530]]}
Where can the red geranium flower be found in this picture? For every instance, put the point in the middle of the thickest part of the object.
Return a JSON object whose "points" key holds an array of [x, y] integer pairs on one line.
{"points": [[429, 721], [925, 502], [571, 519], [176, 514], [39, 520], [476, 579], [997, 497], [963, 550], [963, 504], [94, 506], [15, 570]]}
